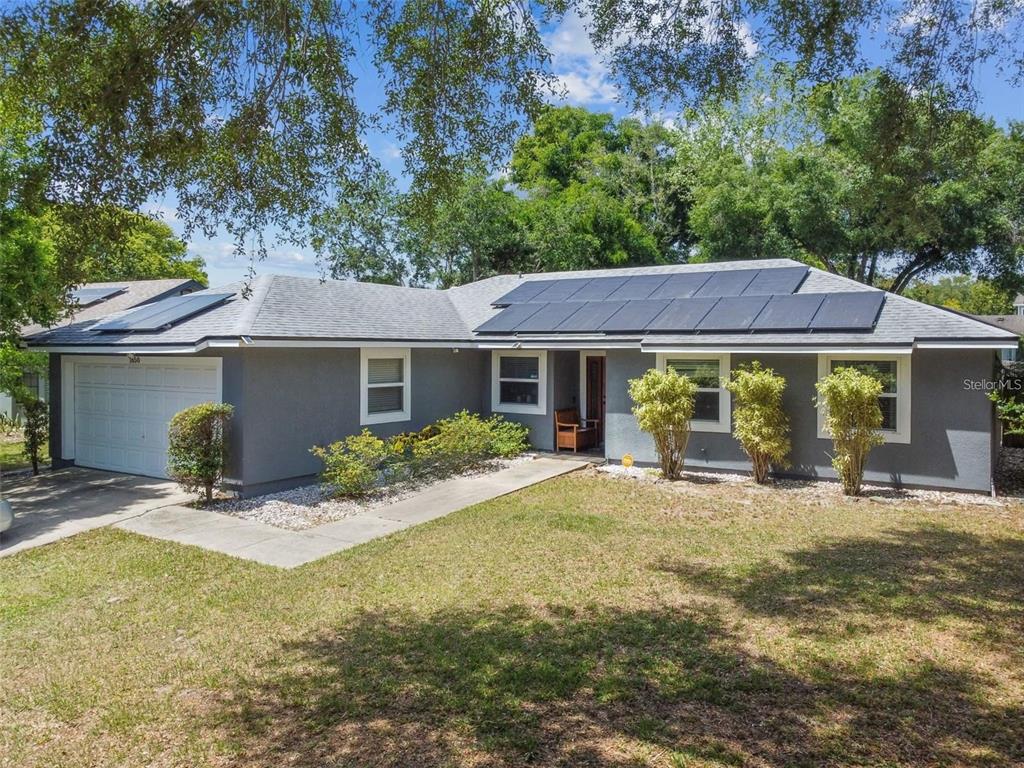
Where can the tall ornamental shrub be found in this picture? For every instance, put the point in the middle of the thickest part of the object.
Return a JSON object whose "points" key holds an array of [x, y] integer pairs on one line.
{"points": [[195, 454], [36, 429], [759, 422], [852, 418], [663, 406]]}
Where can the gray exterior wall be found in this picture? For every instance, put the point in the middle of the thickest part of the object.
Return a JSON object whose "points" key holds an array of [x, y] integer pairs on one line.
{"points": [[952, 444], [288, 400], [563, 371]]}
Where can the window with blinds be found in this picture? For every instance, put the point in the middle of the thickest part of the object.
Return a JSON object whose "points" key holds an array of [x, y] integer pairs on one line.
{"points": [[385, 384], [384, 387]]}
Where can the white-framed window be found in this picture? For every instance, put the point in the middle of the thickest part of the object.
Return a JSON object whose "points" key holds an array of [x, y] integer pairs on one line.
{"points": [[385, 388], [712, 407], [894, 373], [519, 381]]}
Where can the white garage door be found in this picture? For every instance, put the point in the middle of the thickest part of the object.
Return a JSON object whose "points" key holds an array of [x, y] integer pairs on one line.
{"points": [[122, 409]]}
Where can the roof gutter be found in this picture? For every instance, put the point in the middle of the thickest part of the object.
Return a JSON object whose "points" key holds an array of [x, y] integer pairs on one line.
{"points": [[568, 344]]}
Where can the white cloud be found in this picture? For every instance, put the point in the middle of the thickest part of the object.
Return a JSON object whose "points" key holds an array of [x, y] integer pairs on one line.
{"points": [[584, 74], [581, 71], [221, 254]]}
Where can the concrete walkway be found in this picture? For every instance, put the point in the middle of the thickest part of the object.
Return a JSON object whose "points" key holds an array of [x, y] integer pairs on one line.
{"points": [[266, 544], [55, 505]]}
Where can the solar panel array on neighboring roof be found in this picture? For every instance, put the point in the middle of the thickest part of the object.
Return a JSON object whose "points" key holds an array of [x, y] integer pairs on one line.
{"points": [[701, 314], [152, 317], [89, 295], [679, 285]]}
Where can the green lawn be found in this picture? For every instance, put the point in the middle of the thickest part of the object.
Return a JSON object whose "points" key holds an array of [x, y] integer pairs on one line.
{"points": [[12, 455], [587, 621]]}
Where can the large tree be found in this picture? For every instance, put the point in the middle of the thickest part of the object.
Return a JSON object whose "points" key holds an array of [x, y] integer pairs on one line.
{"points": [[246, 109], [867, 179]]}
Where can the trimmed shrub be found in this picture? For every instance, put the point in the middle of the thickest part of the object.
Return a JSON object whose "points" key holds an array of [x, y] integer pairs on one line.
{"points": [[195, 453], [852, 418], [758, 421], [465, 441], [663, 406], [355, 465], [360, 463], [36, 429], [508, 438]]}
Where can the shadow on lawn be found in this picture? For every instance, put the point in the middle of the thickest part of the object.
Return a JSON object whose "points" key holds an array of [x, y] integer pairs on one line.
{"points": [[591, 687], [926, 574]]}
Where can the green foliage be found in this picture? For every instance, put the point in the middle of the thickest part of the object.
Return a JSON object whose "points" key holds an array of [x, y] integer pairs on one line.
{"points": [[361, 463], [354, 466], [759, 422], [964, 293], [149, 250], [32, 291], [1009, 398], [508, 438], [14, 364], [864, 177], [196, 446], [663, 406], [36, 430], [465, 441], [852, 418]]}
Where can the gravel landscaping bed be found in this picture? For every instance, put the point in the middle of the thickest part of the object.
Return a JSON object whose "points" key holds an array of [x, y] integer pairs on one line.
{"points": [[306, 507], [1011, 466]]}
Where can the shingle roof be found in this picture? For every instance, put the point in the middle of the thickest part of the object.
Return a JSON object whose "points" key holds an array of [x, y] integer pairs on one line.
{"points": [[135, 292], [286, 307]]}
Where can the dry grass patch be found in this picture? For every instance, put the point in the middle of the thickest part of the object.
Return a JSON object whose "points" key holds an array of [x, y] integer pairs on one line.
{"points": [[585, 621]]}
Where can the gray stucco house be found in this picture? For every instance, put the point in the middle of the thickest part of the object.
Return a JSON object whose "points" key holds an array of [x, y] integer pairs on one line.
{"points": [[307, 362]]}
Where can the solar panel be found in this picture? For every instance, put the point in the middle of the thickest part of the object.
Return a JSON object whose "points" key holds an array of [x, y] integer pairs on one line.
{"points": [[773, 282], [523, 292], [509, 318], [165, 312], [682, 315], [681, 286], [638, 287], [788, 313], [733, 313], [547, 317], [588, 317], [635, 315], [86, 296], [848, 311], [730, 282], [598, 289], [561, 290]]}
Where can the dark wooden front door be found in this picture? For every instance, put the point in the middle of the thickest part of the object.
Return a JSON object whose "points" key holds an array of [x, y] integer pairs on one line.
{"points": [[595, 392]]}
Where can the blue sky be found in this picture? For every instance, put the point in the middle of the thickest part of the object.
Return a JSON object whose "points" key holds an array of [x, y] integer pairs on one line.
{"points": [[586, 82]]}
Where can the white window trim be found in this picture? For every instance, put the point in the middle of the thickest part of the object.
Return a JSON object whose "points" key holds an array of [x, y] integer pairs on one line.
{"points": [[541, 407], [370, 353], [724, 423], [902, 432]]}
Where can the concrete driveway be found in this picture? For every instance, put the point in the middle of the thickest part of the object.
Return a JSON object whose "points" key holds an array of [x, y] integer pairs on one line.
{"points": [[58, 504]]}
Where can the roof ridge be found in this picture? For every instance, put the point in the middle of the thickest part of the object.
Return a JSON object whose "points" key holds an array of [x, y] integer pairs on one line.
{"points": [[247, 318]]}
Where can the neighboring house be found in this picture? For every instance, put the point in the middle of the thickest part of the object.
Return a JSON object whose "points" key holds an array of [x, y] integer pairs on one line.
{"points": [[96, 300], [1013, 323], [307, 362]]}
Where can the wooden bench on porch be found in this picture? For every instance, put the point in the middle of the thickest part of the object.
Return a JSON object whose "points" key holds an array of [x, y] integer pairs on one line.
{"points": [[570, 432]]}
